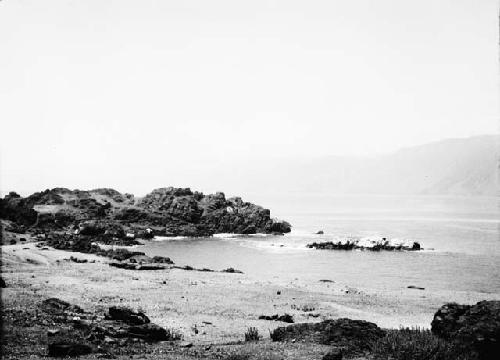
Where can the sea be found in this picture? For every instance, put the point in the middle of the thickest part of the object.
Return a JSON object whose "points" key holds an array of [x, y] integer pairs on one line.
{"points": [[460, 237]]}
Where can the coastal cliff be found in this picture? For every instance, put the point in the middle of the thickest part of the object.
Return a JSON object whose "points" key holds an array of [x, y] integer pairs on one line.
{"points": [[163, 212]]}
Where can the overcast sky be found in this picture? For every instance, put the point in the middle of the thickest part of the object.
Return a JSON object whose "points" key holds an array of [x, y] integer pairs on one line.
{"points": [[126, 93]]}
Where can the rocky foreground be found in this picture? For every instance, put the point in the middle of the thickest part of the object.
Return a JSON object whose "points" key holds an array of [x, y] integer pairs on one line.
{"points": [[58, 303], [164, 212]]}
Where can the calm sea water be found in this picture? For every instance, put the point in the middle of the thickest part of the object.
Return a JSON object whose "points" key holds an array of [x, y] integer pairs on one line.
{"points": [[461, 237]]}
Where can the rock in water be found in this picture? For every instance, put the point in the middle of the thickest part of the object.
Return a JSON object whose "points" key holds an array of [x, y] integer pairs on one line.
{"points": [[474, 327]]}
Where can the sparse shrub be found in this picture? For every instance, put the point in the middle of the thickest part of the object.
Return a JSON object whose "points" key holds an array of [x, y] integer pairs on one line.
{"points": [[252, 334], [173, 335], [276, 335], [416, 344]]}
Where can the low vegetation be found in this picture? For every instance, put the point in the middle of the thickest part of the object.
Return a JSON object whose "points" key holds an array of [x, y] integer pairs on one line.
{"points": [[417, 344], [252, 334]]}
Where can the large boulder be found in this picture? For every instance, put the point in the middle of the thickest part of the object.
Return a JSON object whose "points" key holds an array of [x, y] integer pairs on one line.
{"points": [[355, 336], [475, 327]]}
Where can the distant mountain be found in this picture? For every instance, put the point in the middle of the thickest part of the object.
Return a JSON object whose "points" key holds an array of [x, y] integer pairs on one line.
{"points": [[467, 166]]}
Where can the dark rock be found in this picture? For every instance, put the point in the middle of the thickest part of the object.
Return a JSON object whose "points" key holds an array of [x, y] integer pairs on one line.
{"points": [[148, 332], [186, 344], [68, 349], [3, 285], [134, 266], [186, 267], [92, 228], [320, 232], [335, 354], [415, 287], [13, 241], [76, 260], [162, 260], [17, 209], [250, 229], [232, 271], [57, 306], [127, 315], [283, 318], [354, 335], [166, 211], [475, 327], [352, 245]]}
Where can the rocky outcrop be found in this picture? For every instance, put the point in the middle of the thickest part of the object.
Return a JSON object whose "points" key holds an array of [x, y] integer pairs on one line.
{"points": [[372, 245], [474, 327], [134, 260], [131, 317], [18, 210], [75, 332], [165, 211], [355, 336], [189, 213]]}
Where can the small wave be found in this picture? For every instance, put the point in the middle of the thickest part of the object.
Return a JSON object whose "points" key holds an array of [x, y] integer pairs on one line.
{"points": [[232, 236], [170, 238], [111, 247]]}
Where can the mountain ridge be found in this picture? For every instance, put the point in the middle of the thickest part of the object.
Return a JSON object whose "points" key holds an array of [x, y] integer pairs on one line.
{"points": [[459, 166]]}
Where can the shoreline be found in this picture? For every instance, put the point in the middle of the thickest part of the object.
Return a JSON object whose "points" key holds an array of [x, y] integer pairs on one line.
{"points": [[181, 299], [211, 311]]}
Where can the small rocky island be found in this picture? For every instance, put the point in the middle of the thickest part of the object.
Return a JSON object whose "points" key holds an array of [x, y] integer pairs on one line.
{"points": [[163, 212], [365, 244]]}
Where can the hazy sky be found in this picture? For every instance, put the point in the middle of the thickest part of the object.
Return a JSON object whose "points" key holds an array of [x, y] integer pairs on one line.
{"points": [[137, 94]]}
